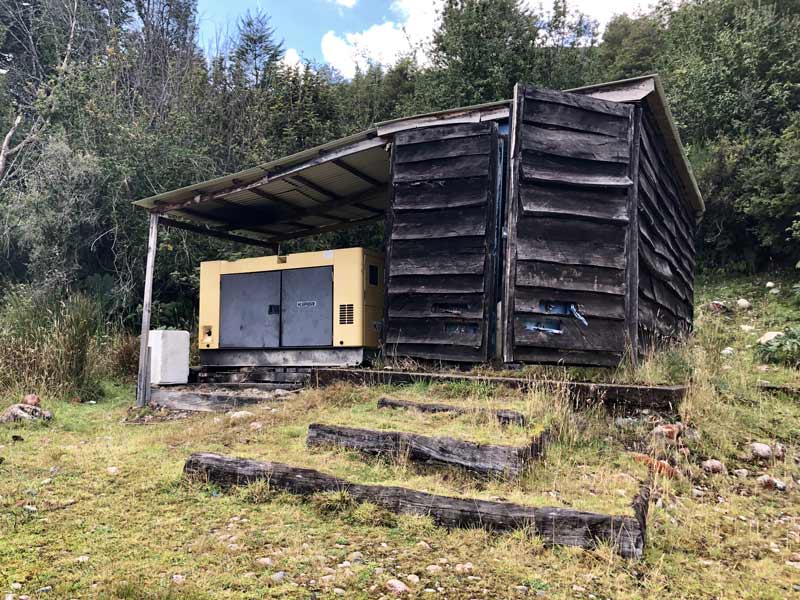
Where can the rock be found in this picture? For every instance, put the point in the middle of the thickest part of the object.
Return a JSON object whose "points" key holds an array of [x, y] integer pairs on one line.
{"points": [[712, 465], [716, 306], [355, 557], [779, 451], [178, 579], [256, 426], [769, 336], [45, 589], [668, 431], [743, 304], [30, 508], [775, 291], [768, 482], [279, 576], [112, 470], [761, 451], [741, 473], [264, 561], [339, 591], [747, 328], [690, 434], [281, 392], [31, 400], [344, 564], [423, 544], [728, 351], [697, 493], [433, 569], [240, 415], [82, 558], [24, 412], [412, 578], [397, 587], [769, 285], [464, 568], [16, 585], [794, 564]]}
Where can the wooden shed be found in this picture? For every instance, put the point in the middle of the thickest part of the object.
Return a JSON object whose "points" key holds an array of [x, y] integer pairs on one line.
{"points": [[556, 227]]}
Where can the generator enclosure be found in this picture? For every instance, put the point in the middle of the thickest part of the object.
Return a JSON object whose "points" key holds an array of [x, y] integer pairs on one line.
{"points": [[305, 309]]}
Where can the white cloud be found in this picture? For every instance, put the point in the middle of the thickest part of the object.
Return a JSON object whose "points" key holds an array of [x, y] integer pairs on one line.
{"points": [[292, 58], [413, 24], [386, 42], [344, 3]]}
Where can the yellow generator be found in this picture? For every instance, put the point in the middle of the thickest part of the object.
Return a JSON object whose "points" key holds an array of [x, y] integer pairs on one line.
{"points": [[308, 309]]}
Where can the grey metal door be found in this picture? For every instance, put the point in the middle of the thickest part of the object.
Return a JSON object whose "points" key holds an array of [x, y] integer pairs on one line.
{"points": [[250, 310], [307, 307]]}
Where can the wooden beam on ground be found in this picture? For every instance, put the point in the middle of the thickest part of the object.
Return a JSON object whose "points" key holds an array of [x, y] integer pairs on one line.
{"points": [[616, 397], [210, 401], [504, 415], [793, 391], [143, 379], [555, 526], [220, 234], [483, 459]]}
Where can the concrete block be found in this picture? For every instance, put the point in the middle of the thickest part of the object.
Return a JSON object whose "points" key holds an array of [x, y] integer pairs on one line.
{"points": [[169, 356]]}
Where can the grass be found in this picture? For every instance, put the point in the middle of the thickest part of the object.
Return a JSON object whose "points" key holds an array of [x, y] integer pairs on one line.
{"points": [[145, 524]]}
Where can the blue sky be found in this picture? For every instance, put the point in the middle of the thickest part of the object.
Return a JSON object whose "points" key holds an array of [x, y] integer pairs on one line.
{"points": [[348, 32]]}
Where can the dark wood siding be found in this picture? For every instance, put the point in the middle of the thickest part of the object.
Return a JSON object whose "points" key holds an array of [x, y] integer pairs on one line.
{"points": [[666, 244], [440, 251], [568, 215]]}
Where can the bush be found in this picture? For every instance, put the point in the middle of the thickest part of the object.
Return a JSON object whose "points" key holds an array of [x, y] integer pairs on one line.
{"points": [[784, 350], [49, 343]]}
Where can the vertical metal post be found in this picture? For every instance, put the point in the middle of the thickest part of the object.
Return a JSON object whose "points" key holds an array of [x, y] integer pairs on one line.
{"points": [[143, 381]]}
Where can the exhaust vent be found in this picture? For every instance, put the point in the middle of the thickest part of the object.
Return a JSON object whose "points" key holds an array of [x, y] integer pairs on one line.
{"points": [[345, 314]]}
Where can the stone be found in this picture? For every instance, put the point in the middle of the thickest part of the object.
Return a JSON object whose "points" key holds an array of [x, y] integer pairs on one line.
{"points": [[16, 585], [668, 431], [779, 451], [433, 569], [45, 589], [82, 558], [716, 306], [728, 351], [743, 304], [24, 412], [256, 426], [747, 328], [423, 544], [769, 336], [714, 466], [397, 587], [281, 392], [31, 400], [794, 564], [178, 579], [464, 568], [769, 285], [355, 557], [112, 470], [760, 451], [339, 591], [768, 482], [775, 291], [278, 577], [697, 493], [327, 580], [240, 415], [741, 473], [412, 578], [264, 561]]}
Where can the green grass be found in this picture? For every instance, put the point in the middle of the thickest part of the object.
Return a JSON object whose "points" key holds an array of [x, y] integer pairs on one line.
{"points": [[145, 524]]}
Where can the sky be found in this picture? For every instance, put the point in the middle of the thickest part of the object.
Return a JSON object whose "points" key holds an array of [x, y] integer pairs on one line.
{"points": [[346, 33]]}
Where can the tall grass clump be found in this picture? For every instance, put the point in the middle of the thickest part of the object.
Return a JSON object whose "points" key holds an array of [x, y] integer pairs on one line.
{"points": [[49, 343]]}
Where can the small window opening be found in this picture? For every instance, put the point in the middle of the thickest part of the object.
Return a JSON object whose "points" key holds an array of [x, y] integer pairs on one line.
{"points": [[373, 274]]}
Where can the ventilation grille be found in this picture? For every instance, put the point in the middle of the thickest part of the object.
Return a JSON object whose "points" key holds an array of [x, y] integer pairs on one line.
{"points": [[345, 314]]}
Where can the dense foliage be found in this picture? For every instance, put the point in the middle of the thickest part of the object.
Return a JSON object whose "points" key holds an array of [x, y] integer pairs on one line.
{"points": [[104, 102]]}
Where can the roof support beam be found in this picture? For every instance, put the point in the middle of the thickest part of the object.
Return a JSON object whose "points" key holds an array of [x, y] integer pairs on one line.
{"points": [[353, 171], [328, 228], [218, 234]]}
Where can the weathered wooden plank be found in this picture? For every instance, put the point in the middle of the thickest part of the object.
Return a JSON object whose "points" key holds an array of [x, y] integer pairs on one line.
{"points": [[443, 168], [568, 356], [505, 416], [571, 277], [436, 352], [576, 230], [593, 204], [461, 222], [572, 252], [575, 144], [575, 172], [471, 264], [440, 194], [409, 248], [443, 148], [617, 397], [459, 332], [201, 401], [482, 459], [442, 132], [435, 284], [468, 306], [585, 102], [553, 525], [537, 300], [599, 334], [572, 117]]}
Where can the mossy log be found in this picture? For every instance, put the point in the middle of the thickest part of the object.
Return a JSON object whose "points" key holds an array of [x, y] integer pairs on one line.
{"points": [[555, 526], [504, 416]]}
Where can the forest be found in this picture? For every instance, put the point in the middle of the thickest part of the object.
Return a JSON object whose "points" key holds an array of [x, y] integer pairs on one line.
{"points": [[103, 102]]}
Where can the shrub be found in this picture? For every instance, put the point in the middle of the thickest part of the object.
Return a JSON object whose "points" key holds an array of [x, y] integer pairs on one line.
{"points": [[783, 350]]}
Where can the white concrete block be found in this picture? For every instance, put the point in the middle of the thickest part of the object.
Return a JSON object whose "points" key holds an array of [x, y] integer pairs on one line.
{"points": [[169, 356]]}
